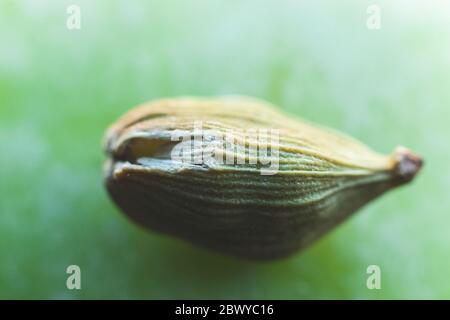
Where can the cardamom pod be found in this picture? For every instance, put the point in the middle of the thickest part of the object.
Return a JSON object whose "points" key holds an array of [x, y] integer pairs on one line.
{"points": [[201, 169]]}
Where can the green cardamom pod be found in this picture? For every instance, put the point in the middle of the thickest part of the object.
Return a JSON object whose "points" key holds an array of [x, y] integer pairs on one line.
{"points": [[235, 175]]}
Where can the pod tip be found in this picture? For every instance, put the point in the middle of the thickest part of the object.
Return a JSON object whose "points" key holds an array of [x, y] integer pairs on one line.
{"points": [[406, 163]]}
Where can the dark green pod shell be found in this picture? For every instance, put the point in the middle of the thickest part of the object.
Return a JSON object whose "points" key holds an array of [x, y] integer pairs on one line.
{"points": [[320, 178]]}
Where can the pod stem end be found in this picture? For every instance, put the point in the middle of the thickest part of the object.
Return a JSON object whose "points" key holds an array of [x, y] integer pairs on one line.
{"points": [[406, 164]]}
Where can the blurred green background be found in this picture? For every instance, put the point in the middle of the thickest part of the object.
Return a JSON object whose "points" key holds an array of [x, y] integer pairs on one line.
{"points": [[60, 89]]}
